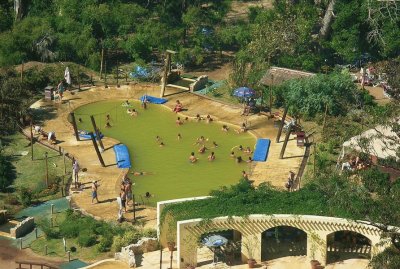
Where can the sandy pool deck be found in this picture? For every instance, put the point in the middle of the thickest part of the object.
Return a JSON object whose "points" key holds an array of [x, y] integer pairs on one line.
{"points": [[275, 170]]}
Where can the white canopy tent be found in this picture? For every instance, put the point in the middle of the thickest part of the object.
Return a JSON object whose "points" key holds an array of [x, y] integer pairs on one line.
{"points": [[380, 141]]}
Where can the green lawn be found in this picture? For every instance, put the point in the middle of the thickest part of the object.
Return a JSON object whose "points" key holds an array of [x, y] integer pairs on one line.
{"points": [[31, 174]]}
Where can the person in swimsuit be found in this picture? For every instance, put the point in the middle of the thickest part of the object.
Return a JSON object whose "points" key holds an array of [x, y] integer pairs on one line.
{"points": [[94, 191], [192, 158], [211, 157]]}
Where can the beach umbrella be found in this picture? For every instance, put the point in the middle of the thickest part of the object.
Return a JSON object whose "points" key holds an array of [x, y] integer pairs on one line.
{"points": [[243, 92], [214, 241]]}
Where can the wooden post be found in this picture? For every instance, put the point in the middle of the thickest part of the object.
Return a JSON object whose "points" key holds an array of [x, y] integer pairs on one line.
{"points": [[126, 78], [69, 256], [97, 149], [105, 75], [65, 166], [160, 257], [91, 79], [270, 95], [315, 156], [45, 250], [170, 259], [22, 72], [20, 243], [79, 79], [117, 75], [36, 233], [326, 112], [282, 124], [101, 63], [31, 142], [74, 126], [52, 209], [47, 169], [96, 130], [134, 208], [286, 141]]}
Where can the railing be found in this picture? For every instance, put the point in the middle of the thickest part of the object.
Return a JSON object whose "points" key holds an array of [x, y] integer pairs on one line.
{"points": [[34, 265]]}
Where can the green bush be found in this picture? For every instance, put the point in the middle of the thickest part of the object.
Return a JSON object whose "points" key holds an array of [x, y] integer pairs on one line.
{"points": [[6, 173], [375, 180], [152, 233], [86, 239], [105, 243], [25, 196], [51, 233], [70, 228], [117, 243]]}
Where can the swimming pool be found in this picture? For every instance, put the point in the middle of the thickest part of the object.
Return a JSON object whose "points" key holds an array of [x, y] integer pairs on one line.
{"points": [[170, 174]]}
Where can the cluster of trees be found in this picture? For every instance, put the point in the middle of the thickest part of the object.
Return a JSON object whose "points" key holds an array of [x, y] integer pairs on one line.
{"points": [[293, 34]]}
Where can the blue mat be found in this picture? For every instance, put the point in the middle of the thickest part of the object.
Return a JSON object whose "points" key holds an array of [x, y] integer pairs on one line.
{"points": [[122, 156], [87, 136], [262, 148], [153, 100]]}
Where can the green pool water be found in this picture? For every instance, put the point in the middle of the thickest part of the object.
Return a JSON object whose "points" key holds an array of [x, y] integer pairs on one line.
{"points": [[171, 174]]}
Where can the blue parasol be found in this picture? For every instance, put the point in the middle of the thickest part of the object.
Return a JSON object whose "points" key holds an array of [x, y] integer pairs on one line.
{"points": [[214, 241], [244, 92]]}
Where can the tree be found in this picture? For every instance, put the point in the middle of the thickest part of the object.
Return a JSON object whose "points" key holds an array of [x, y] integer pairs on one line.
{"points": [[308, 97]]}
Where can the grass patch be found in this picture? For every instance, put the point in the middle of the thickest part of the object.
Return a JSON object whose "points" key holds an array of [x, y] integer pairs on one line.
{"points": [[31, 174], [87, 238]]}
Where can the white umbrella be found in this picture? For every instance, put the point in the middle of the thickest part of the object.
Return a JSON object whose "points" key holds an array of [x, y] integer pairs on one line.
{"points": [[67, 76]]}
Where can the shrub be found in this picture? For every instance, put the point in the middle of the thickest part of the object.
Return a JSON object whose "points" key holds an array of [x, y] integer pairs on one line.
{"points": [[51, 233], [25, 196], [117, 244], [70, 229], [149, 233], [105, 243], [375, 180], [6, 173], [86, 239]]}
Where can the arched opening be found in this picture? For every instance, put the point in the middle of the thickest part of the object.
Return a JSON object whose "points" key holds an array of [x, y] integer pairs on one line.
{"points": [[229, 253], [343, 245], [283, 241]]}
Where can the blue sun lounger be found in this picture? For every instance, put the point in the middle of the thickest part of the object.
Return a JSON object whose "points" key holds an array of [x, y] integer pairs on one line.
{"points": [[153, 100], [86, 135], [262, 149], [122, 156]]}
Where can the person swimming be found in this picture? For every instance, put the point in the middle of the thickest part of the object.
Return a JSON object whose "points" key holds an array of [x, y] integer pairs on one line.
{"points": [[178, 121], [215, 144], [179, 137], [232, 155], [249, 160], [239, 159], [202, 149], [211, 157], [162, 144], [192, 158], [198, 118], [225, 128], [247, 150]]}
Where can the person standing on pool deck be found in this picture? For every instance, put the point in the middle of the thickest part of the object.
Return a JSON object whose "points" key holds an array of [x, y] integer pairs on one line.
{"points": [[94, 191], [178, 121], [75, 171], [128, 190], [60, 89], [122, 194], [192, 158]]}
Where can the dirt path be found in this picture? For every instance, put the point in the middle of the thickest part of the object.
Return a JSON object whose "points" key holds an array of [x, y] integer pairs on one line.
{"points": [[275, 170], [9, 254]]}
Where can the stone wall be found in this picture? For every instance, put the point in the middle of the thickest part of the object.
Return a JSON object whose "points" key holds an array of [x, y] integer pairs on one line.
{"points": [[128, 253], [24, 227], [199, 84]]}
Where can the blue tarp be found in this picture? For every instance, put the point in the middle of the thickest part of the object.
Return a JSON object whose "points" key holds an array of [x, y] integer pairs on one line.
{"points": [[86, 135], [262, 148], [153, 100], [122, 156]]}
